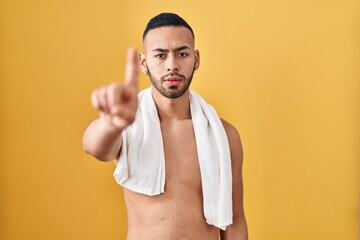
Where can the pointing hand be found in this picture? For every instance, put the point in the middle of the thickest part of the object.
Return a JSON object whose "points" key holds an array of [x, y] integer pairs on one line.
{"points": [[117, 102]]}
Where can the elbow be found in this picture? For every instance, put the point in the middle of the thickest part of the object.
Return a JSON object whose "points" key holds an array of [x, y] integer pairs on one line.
{"points": [[92, 150], [99, 155]]}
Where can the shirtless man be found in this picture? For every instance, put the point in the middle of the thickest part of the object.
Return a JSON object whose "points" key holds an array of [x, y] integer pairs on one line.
{"points": [[178, 212]]}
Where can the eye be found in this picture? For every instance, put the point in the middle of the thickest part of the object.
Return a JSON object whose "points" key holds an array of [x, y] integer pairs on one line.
{"points": [[160, 55], [183, 54]]}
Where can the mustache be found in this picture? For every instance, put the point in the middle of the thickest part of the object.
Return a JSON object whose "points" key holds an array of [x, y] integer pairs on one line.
{"points": [[172, 74]]}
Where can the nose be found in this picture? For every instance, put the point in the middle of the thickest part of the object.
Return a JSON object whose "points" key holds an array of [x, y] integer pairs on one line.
{"points": [[172, 65]]}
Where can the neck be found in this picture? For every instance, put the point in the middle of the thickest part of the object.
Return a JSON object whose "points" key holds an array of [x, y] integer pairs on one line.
{"points": [[172, 108]]}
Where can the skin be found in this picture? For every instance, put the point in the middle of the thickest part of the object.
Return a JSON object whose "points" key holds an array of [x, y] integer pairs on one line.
{"points": [[169, 58]]}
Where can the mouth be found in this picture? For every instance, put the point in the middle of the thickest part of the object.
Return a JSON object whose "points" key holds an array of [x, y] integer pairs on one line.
{"points": [[172, 81]]}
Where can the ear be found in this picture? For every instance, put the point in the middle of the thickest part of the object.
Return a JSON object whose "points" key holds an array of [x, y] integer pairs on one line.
{"points": [[142, 60], [197, 59]]}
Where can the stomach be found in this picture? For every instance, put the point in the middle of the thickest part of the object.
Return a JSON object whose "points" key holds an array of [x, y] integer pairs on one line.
{"points": [[174, 215]]}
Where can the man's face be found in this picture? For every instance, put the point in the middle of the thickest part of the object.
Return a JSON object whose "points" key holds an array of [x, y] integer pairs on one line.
{"points": [[170, 59]]}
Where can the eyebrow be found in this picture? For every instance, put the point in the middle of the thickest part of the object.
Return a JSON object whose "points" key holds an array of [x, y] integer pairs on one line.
{"points": [[167, 50]]}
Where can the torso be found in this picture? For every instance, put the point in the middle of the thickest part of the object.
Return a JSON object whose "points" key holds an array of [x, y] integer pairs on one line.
{"points": [[177, 213]]}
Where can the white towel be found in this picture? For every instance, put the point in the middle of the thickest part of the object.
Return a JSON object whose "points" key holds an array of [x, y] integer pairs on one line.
{"points": [[141, 166]]}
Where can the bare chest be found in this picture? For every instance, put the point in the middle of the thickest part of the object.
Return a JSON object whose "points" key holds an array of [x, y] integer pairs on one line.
{"points": [[181, 161], [177, 213]]}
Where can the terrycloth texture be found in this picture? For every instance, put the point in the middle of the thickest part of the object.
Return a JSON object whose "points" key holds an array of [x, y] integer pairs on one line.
{"points": [[141, 166]]}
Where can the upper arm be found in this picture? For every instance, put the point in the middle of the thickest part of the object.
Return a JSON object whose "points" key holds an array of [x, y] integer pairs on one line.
{"points": [[238, 228], [236, 152]]}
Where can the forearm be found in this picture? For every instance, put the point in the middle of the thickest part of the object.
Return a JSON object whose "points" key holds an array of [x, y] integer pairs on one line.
{"points": [[102, 140]]}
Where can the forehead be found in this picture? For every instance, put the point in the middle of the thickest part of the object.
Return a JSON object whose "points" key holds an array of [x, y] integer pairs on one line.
{"points": [[168, 37]]}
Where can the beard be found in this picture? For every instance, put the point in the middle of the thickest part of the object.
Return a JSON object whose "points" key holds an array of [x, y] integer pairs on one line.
{"points": [[173, 91]]}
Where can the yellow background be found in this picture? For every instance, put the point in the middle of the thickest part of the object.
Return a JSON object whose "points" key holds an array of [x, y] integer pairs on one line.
{"points": [[285, 73]]}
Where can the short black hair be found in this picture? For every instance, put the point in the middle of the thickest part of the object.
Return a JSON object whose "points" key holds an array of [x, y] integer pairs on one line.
{"points": [[166, 19]]}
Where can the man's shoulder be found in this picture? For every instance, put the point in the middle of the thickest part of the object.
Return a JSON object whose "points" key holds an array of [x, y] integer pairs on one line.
{"points": [[233, 138], [230, 130]]}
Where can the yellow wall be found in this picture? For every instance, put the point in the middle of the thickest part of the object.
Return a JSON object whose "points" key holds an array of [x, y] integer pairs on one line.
{"points": [[285, 73]]}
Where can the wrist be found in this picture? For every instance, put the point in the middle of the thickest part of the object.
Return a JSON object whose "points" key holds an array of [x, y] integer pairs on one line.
{"points": [[108, 125]]}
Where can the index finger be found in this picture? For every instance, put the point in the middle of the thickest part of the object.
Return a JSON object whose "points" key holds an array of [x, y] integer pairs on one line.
{"points": [[132, 67]]}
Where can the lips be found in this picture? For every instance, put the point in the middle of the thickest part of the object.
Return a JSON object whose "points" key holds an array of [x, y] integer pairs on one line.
{"points": [[173, 81]]}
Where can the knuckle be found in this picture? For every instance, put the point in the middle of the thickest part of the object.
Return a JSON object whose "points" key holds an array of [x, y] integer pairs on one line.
{"points": [[94, 99], [114, 87], [114, 90]]}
